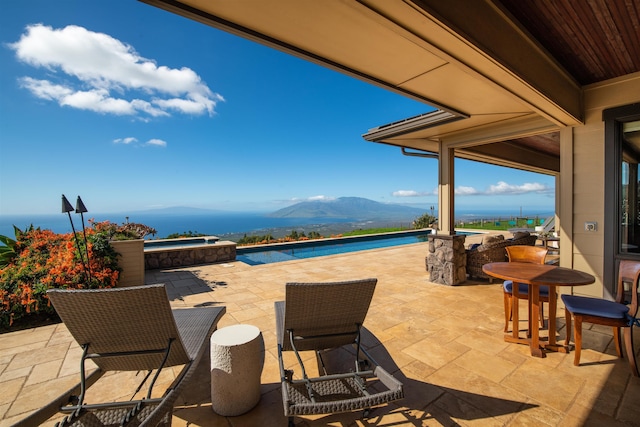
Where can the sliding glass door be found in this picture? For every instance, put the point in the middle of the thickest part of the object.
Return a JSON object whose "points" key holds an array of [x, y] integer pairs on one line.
{"points": [[622, 189]]}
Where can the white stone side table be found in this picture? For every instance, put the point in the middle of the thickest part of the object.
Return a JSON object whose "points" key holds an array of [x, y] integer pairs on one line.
{"points": [[237, 358]]}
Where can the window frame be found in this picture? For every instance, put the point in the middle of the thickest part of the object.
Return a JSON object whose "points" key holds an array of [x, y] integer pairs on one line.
{"points": [[613, 119]]}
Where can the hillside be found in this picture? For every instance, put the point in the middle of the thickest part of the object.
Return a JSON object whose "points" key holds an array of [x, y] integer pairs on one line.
{"points": [[355, 208]]}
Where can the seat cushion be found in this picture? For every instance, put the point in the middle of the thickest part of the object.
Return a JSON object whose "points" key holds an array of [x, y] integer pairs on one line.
{"points": [[595, 307], [523, 289], [520, 234], [491, 241]]}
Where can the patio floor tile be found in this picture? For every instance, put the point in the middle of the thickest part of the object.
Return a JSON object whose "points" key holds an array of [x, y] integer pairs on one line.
{"points": [[444, 343]]}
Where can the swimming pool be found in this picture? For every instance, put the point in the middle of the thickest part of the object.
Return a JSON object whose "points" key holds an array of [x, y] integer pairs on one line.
{"points": [[256, 255]]}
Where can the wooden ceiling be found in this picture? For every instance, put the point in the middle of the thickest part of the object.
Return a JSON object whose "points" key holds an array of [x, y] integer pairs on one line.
{"points": [[593, 40]]}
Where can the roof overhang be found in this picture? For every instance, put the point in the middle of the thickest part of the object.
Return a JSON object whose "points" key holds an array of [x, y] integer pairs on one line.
{"points": [[493, 75], [412, 124], [431, 50]]}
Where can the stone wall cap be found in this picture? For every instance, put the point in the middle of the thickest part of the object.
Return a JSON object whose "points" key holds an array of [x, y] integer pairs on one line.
{"points": [[446, 236]]}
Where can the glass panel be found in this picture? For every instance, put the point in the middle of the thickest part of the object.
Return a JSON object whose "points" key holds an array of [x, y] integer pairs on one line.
{"points": [[630, 189]]}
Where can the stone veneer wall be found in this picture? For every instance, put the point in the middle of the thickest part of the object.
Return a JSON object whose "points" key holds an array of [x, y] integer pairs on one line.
{"points": [[181, 257], [447, 260]]}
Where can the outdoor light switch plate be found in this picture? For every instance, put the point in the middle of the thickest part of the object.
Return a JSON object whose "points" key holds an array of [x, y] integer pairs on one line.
{"points": [[590, 226]]}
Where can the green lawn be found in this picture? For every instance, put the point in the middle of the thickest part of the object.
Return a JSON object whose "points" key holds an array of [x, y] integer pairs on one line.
{"points": [[501, 224]]}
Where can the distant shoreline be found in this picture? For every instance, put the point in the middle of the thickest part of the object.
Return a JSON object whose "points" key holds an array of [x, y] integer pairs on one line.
{"points": [[323, 229], [232, 226]]}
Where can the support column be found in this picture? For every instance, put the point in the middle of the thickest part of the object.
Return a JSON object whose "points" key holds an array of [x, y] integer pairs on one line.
{"points": [[446, 260], [564, 198], [446, 191]]}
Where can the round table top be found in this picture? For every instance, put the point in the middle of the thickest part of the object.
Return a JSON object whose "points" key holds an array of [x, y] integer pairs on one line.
{"points": [[235, 335], [537, 274]]}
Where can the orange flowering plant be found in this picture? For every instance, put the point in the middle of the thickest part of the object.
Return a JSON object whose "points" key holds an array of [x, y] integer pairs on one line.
{"points": [[42, 259]]}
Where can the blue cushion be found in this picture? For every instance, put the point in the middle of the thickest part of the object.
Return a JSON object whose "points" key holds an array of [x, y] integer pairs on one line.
{"points": [[524, 289], [595, 307]]}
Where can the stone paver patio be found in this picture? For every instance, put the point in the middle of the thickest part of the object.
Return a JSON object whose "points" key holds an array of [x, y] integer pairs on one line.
{"points": [[444, 343]]}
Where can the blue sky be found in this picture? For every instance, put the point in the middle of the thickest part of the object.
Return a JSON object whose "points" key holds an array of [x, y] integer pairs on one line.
{"points": [[135, 108]]}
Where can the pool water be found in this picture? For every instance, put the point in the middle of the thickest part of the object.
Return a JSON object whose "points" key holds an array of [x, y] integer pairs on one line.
{"points": [[256, 255]]}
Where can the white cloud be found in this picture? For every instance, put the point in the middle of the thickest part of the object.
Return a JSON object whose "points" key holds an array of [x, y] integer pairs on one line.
{"points": [[466, 191], [185, 105], [503, 188], [413, 193], [405, 193], [320, 198], [127, 140], [156, 142], [102, 74], [44, 89]]}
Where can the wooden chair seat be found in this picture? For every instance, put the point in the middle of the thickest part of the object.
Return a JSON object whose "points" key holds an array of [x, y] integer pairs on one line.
{"points": [[618, 314], [529, 254]]}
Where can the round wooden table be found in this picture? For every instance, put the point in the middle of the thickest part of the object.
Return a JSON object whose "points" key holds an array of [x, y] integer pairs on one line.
{"points": [[536, 275]]}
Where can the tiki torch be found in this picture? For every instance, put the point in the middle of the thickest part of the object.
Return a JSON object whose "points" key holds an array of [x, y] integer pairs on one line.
{"points": [[67, 208], [81, 209]]}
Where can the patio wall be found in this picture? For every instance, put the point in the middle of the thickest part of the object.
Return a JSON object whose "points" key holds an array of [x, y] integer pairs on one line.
{"points": [[587, 194]]}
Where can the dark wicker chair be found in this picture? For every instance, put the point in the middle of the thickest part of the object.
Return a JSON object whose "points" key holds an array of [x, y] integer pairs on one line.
{"points": [[493, 252]]}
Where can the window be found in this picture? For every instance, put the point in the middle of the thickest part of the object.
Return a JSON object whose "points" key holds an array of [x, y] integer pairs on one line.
{"points": [[629, 219], [622, 189]]}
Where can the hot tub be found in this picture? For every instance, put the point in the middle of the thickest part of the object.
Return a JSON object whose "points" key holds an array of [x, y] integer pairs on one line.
{"points": [[174, 253]]}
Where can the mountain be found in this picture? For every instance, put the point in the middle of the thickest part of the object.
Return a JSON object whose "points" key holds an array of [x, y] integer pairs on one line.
{"points": [[355, 208]]}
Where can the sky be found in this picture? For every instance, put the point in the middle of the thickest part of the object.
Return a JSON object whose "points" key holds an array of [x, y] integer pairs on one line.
{"points": [[135, 108]]}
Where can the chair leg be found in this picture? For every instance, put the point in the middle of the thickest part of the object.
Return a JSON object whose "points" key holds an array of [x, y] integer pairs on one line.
{"points": [[577, 331], [529, 309], [515, 315], [631, 354], [507, 311], [541, 315], [567, 321], [618, 341]]}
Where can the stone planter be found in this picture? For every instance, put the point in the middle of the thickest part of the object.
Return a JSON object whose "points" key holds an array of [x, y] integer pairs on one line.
{"points": [[131, 260]]}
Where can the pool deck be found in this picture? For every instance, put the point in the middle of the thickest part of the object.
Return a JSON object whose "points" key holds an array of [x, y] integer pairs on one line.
{"points": [[444, 343]]}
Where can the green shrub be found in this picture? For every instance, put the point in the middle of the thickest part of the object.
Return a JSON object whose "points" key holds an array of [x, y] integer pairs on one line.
{"points": [[125, 231], [184, 234], [424, 221]]}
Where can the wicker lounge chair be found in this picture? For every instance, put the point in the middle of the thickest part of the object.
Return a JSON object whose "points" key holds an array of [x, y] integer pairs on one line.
{"points": [[321, 316], [493, 249], [131, 329]]}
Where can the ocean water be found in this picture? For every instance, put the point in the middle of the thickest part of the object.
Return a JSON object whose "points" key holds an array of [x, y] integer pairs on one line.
{"points": [[220, 224], [209, 224]]}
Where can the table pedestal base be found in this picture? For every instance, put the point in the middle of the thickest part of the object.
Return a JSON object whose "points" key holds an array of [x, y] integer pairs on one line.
{"points": [[539, 352], [543, 345]]}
